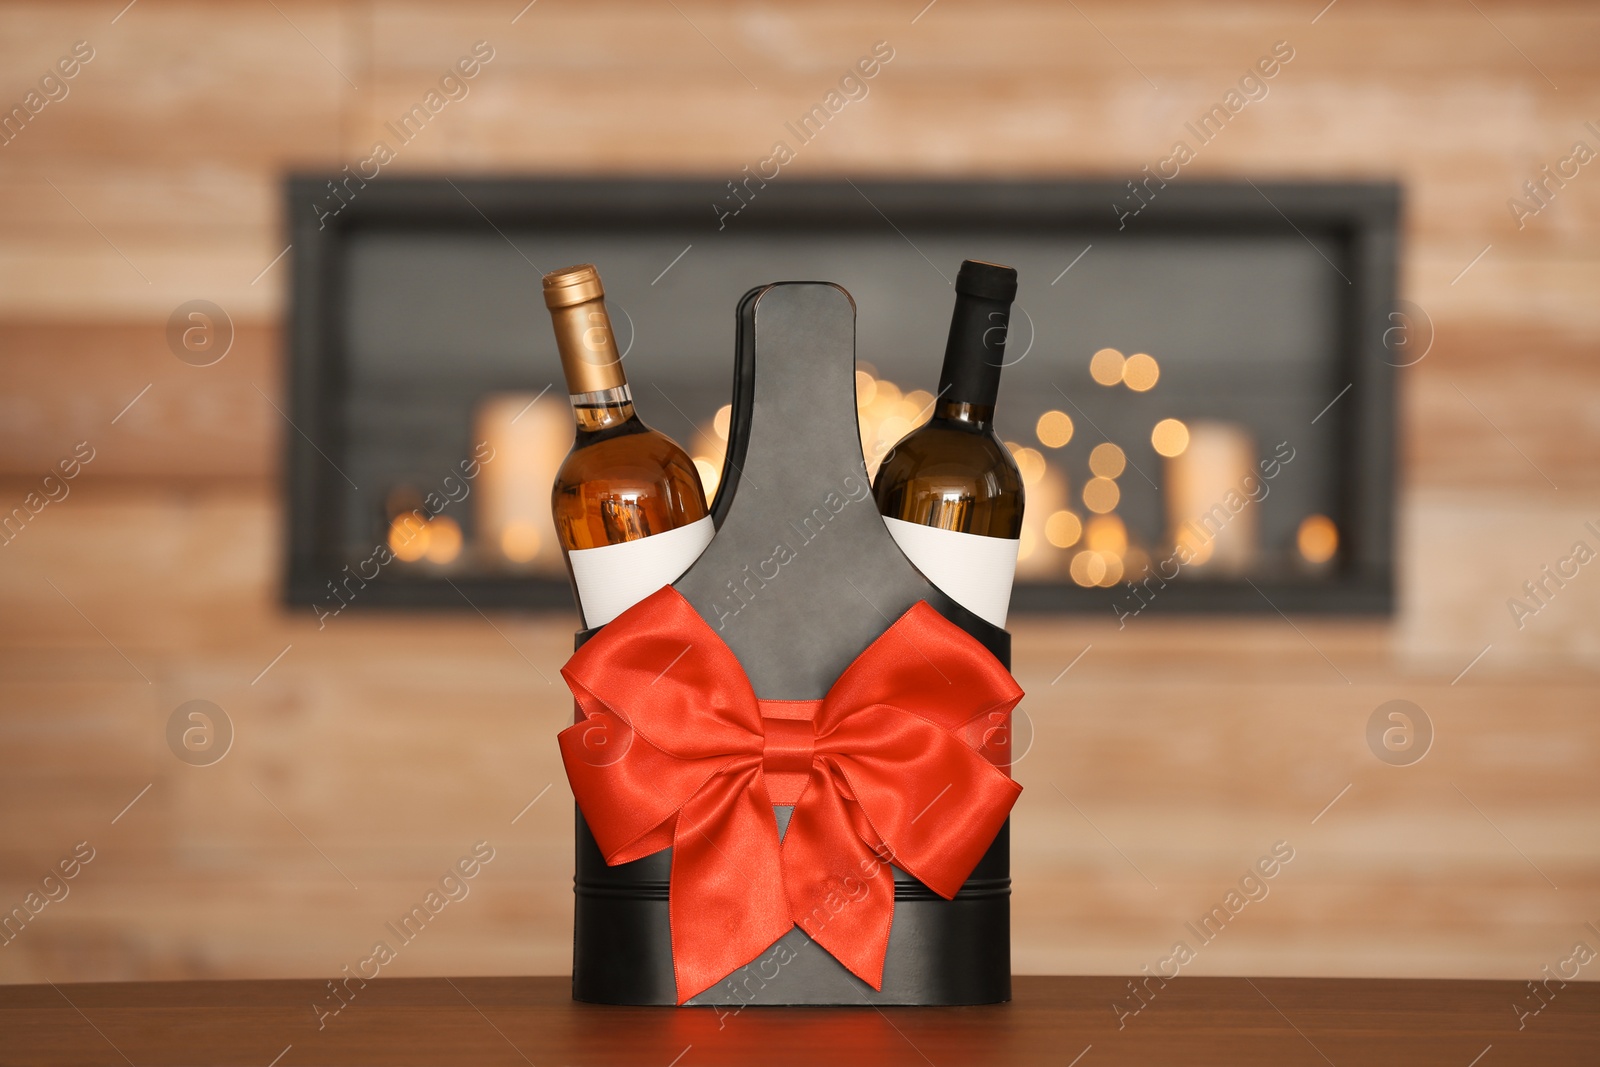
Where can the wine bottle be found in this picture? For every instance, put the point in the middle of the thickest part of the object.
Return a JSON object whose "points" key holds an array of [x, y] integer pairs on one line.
{"points": [[630, 512], [950, 492]]}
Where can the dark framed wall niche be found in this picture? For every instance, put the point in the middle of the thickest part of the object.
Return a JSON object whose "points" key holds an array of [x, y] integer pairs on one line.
{"points": [[1263, 315]]}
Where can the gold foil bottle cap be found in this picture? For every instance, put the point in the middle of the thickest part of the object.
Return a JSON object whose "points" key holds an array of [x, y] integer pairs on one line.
{"points": [[576, 300], [572, 285]]}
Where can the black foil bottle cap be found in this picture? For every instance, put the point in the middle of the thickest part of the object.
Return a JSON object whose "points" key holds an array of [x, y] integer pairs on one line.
{"points": [[992, 281], [976, 348]]}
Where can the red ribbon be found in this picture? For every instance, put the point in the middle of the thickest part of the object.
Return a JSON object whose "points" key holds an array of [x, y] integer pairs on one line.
{"points": [[675, 749]]}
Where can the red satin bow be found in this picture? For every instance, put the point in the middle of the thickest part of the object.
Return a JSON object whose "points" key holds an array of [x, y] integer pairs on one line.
{"points": [[675, 749]]}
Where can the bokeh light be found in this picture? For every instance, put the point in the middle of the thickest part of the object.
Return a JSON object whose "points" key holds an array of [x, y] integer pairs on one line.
{"points": [[1027, 544], [519, 541], [1107, 460], [866, 388], [1170, 437], [710, 474], [1100, 495], [1063, 529], [723, 421], [409, 536], [1141, 372], [890, 431], [1054, 429], [1107, 534], [1030, 463], [444, 540], [1105, 366], [1317, 539], [1088, 568]]}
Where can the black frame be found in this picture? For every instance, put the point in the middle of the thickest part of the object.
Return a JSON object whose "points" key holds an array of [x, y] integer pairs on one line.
{"points": [[1363, 216]]}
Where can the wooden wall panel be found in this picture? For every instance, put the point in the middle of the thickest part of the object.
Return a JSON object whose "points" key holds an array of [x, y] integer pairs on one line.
{"points": [[63, 383]]}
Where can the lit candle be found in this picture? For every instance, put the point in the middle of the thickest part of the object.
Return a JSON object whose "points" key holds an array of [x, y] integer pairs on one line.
{"points": [[1210, 514], [512, 493]]}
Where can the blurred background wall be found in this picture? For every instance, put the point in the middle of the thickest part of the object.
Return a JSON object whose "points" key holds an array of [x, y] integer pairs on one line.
{"points": [[1168, 756]]}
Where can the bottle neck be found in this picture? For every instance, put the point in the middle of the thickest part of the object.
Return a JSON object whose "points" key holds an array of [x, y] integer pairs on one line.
{"points": [[973, 356], [603, 409], [589, 358], [973, 416]]}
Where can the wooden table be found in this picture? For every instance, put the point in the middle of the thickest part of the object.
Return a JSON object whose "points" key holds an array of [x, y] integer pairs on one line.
{"points": [[1058, 1021]]}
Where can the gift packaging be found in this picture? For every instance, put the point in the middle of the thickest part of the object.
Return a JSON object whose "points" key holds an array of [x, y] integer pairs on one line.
{"points": [[791, 764]]}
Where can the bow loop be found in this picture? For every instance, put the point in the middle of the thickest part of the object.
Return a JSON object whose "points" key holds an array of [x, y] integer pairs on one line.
{"points": [[928, 666], [661, 715], [673, 748]]}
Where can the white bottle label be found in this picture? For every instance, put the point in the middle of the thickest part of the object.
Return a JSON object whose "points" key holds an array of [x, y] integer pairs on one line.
{"points": [[976, 571], [613, 578]]}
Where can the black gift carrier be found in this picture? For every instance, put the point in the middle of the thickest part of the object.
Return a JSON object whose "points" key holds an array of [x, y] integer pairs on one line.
{"points": [[794, 475]]}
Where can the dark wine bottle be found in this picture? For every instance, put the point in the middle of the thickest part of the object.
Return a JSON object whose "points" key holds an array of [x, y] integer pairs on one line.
{"points": [[950, 492], [630, 512]]}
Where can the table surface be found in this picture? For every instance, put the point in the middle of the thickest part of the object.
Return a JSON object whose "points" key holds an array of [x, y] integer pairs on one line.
{"points": [[1059, 1021]]}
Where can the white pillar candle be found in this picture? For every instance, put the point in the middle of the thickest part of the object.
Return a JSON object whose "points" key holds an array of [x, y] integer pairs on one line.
{"points": [[513, 490], [1209, 508]]}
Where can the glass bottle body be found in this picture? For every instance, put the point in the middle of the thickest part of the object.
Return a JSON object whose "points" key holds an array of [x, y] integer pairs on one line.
{"points": [[621, 481], [953, 473]]}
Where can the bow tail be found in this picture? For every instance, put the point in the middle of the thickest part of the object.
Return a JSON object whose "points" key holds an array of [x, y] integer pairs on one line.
{"points": [[841, 889], [727, 901]]}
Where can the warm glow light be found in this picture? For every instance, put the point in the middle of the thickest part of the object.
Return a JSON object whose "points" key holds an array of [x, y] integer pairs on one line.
{"points": [[1087, 568], [906, 409], [444, 544], [509, 507], [920, 401], [1045, 499], [1106, 534], [886, 403], [1027, 544], [1203, 487], [519, 541], [1030, 463], [1318, 538], [885, 415], [1170, 437], [722, 421], [1140, 372], [1054, 429], [866, 388], [408, 537], [1113, 574], [884, 440], [890, 431], [710, 476], [1105, 366], [1194, 549], [1063, 529], [1107, 460], [1101, 495]]}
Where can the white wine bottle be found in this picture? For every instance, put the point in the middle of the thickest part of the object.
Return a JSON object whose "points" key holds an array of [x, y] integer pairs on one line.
{"points": [[630, 511], [950, 492]]}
